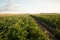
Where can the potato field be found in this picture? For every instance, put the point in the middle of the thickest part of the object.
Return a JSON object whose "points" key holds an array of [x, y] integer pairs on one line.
{"points": [[25, 27]]}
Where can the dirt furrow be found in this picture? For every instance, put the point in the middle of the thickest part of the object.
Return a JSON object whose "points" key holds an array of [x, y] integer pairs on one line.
{"points": [[46, 28]]}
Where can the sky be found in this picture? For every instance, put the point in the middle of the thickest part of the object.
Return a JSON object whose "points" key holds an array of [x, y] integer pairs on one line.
{"points": [[29, 6]]}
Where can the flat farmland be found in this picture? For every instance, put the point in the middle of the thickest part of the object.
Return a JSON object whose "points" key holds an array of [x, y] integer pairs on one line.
{"points": [[29, 27]]}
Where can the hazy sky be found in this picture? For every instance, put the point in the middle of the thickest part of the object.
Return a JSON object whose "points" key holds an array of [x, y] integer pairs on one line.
{"points": [[30, 6]]}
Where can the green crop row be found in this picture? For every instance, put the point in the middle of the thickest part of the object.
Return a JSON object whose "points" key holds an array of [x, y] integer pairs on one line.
{"points": [[52, 20], [20, 27]]}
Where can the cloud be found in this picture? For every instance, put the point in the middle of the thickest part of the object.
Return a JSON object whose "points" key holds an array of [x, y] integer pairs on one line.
{"points": [[30, 6]]}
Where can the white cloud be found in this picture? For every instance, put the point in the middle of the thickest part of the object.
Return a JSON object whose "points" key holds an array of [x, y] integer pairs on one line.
{"points": [[31, 6]]}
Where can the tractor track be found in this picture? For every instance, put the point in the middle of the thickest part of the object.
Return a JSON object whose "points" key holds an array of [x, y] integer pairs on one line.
{"points": [[46, 28]]}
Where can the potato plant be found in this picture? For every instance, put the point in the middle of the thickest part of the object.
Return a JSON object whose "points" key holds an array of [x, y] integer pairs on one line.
{"points": [[20, 27], [52, 20]]}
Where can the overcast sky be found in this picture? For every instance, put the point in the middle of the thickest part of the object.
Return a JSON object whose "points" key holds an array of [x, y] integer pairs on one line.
{"points": [[30, 6]]}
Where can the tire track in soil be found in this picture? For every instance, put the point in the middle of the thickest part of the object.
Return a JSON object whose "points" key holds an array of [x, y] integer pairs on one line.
{"points": [[46, 28]]}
